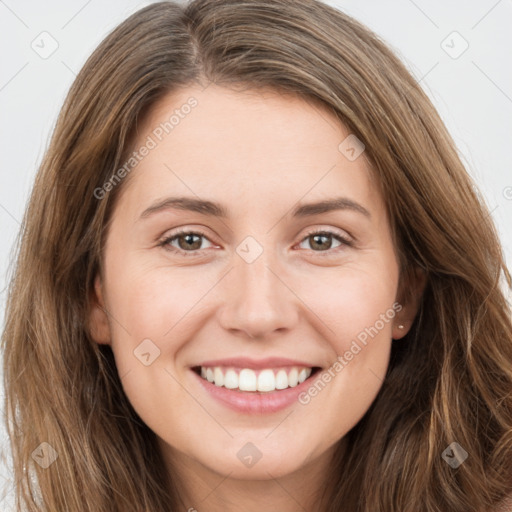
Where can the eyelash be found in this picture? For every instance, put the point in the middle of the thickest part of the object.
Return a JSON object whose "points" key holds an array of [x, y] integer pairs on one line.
{"points": [[166, 242]]}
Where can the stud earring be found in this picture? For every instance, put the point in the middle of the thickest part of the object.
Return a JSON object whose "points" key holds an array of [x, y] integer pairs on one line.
{"points": [[400, 326]]}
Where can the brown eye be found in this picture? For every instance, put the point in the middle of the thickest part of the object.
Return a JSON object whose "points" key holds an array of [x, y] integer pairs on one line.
{"points": [[189, 242], [322, 241]]}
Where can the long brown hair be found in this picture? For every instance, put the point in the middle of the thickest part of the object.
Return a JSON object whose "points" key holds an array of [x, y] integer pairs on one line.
{"points": [[450, 378]]}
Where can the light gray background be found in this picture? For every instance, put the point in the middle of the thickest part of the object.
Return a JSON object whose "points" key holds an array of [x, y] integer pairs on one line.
{"points": [[473, 93]]}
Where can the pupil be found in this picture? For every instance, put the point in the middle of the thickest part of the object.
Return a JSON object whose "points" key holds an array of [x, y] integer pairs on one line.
{"points": [[189, 240], [315, 237]]}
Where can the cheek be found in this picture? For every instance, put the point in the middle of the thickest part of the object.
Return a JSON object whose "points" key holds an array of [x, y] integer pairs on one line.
{"points": [[363, 318], [352, 301], [155, 309], [356, 304], [150, 300], [154, 317]]}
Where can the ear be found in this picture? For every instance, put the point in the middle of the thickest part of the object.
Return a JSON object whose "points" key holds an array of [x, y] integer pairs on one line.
{"points": [[99, 327], [410, 292]]}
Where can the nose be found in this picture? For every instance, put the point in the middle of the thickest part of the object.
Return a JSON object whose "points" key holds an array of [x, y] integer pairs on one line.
{"points": [[257, 300]]}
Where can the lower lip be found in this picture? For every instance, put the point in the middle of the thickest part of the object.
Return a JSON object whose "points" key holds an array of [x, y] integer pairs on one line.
{"points": [[251, 402]]}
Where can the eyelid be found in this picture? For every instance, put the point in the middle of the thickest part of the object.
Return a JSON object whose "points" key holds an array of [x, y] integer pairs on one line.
{"points": [[344, 235]]}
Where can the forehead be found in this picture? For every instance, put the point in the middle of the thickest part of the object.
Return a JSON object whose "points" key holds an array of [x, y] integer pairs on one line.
{"points": [[253, 144]]}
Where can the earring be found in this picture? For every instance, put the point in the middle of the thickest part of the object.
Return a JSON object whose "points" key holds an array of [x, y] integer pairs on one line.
{"points": [[400, 326]]}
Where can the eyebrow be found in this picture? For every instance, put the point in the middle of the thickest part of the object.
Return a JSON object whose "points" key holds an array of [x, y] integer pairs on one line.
{"points": [[214, 209]]}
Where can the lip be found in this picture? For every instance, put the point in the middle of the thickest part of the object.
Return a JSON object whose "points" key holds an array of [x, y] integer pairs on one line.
{"points": [[255, 364], [256, 402]]}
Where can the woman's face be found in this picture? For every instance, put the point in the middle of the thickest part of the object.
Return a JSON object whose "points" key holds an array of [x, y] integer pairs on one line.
{"points": [[263, 289]]}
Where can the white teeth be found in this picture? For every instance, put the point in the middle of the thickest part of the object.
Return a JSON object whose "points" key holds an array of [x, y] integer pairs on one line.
{"points": [[218, 376], [281, 380], [231, 379], [266, 381], [249, 380], [293, 377]]}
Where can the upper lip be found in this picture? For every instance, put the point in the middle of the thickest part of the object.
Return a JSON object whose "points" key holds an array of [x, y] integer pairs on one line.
{"points": [[256, 364]]}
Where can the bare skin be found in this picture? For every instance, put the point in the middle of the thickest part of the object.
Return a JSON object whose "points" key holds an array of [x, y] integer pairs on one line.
{"points": [[304, 297]]}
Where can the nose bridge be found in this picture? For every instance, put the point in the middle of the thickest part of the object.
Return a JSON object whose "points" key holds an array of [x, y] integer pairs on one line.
{"points": [[257, 301]]}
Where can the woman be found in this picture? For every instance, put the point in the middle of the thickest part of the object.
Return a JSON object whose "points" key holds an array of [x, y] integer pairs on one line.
{"points": [[175, 340]]}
